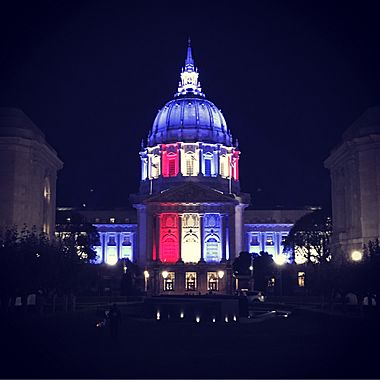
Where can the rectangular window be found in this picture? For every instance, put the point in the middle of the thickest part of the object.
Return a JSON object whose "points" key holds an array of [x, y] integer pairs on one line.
{"points": [[191, 281], [212, 281], [169, 282], [190, 166], [222, 169], [207, 167], [255, 240], [172, 172], [301, 279], [269, 240]]}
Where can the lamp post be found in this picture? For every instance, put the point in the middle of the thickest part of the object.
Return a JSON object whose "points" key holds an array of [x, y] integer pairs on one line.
{"points": [[146, 277], [280, 260], [220, 275], [356, 256]]}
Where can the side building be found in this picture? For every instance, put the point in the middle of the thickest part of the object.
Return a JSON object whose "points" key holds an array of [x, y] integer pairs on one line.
{"points": [[355, 185], [28, 174]]}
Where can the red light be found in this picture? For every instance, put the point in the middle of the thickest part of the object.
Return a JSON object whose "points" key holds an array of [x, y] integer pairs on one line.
{"points": [[170, 160], [169, 238]]}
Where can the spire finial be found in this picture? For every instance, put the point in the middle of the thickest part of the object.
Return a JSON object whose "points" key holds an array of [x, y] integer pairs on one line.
{"points": [[189, 76], [189, 56]]}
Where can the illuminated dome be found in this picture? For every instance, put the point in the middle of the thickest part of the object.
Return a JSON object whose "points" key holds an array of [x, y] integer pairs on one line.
{"points": [[189, 119]]}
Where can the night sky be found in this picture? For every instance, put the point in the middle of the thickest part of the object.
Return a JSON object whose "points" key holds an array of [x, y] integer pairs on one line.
{"points": [[289, 78]]}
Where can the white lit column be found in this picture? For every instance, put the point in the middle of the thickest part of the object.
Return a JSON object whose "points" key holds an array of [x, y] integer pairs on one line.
{"points": [[180, 238]]}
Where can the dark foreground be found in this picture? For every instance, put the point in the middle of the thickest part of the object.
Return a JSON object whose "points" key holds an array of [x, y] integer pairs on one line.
{"points": [[305, 345]]}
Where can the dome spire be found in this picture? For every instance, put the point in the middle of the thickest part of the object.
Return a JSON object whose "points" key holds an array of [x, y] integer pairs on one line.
{"points": [[189, 57], [189, 83]]}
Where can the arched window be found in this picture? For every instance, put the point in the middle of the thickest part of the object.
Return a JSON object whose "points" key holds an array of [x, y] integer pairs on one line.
{"points": [[190, 160], [212, 249], [155, 166], [191, 248], [169, 240], [208, 160], [46, 206], [224, 169]]}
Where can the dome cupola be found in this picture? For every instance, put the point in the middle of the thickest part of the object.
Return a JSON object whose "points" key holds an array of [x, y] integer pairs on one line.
{"points": [[189, 116], [189, 142]]}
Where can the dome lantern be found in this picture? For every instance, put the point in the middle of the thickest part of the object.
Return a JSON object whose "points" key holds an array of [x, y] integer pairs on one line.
{"points": [[189, 83]]}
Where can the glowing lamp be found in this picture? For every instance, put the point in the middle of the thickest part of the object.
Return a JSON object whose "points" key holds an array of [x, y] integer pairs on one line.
{"points": [[198, 319], [251, 267], [165, 274], [214, 320], [221, 274], [182, 315], [280, 259], [158, 315], [226, 319], [356, 255], [111, 260], [146, 274], [235, 318]]}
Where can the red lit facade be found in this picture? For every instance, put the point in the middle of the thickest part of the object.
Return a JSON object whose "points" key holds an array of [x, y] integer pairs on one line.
{"points": [[169, 238]]}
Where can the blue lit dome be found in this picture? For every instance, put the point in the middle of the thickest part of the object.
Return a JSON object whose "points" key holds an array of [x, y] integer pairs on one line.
{"points": [[189, 119]]}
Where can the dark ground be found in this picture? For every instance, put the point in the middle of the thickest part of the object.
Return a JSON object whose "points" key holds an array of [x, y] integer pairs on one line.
{"points": [[305, 345]]}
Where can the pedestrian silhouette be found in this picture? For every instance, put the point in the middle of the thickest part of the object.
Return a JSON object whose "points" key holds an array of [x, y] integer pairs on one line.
{"points": [[114, 319]]}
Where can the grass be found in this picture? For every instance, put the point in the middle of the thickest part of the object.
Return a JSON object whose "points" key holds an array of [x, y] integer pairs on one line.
{"points": [[305, 345]]}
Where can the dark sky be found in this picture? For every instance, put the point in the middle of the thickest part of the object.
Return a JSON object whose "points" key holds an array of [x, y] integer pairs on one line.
{"points": [[289, 77]]}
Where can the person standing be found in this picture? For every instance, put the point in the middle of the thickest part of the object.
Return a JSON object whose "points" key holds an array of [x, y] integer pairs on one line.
{"points": [[114, 319]]}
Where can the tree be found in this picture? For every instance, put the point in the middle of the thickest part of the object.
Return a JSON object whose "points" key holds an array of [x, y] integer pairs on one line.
{"points": [[31, 262], [310, 238], [263, 269]]}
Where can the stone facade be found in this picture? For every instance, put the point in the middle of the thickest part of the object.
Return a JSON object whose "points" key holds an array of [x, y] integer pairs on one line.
{"points": [[28, 174], [355, 178]]}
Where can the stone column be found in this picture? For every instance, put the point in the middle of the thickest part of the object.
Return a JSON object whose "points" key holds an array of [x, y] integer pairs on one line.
{"points": [[157, 236], [224, 236], [201, 234], [180, 238]]}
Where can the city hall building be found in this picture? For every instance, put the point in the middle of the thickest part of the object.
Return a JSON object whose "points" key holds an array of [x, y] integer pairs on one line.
{"points": [[190, 221]]}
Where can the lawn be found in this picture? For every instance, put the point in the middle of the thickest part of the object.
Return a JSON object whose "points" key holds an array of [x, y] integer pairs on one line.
{"points": [[305, 345]]}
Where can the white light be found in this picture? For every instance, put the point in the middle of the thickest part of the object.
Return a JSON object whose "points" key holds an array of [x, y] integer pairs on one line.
{"points": [[280, 259], [182, 315], [214, 320], [221, 274], [146, 274], [226, 319], [356, 255], [165, 274], [198, 319], [235, 318], [251, 267], [158, 315]]}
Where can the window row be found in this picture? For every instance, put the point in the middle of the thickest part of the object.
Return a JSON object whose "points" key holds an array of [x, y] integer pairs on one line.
{"points": [[114, 246], [191, 283], [189, 160]]}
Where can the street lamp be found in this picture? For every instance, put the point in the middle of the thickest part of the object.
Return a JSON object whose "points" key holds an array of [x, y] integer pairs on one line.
{"points": [[221, 274], [356, 255], [280, 260], [146, 276]]}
